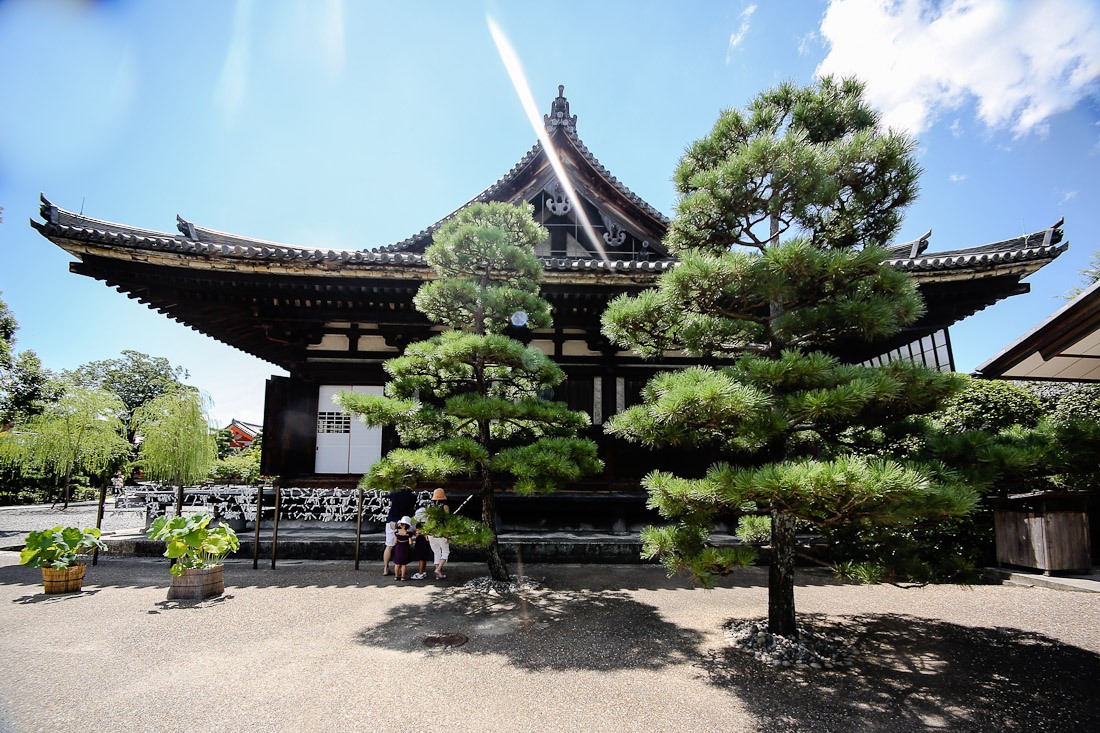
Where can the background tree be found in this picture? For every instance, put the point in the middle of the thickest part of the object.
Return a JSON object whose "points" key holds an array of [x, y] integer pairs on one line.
{"points": [[989, 404], [810, 164], [24, 384], [134, 377], [223, 440], [82, 431], [1064, 401], [8, 327], [241, 467], [1089, 275], [470, 402], [177, 444], [26, 388], [1004, 438]]}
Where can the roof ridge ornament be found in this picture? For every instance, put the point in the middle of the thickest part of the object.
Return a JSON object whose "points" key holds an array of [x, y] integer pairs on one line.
{"points": [[186, 228], [1048, 235], [559, 114]]}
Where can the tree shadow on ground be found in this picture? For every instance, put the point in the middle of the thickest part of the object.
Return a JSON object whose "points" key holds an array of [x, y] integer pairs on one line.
{"points": [[914, 674], [191, 604], [127, 571], [541, 629]]}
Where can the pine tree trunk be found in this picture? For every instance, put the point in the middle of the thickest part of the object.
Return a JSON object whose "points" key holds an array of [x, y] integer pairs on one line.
{"points": [[781, 618], [498, 570]]}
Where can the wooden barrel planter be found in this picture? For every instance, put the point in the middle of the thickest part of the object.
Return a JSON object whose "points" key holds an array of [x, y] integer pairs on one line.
{"points": [[66, 580], [197, 583]]}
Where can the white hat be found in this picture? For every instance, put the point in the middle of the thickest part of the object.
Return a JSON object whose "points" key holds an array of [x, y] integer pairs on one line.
{"points": [[407, 521]]}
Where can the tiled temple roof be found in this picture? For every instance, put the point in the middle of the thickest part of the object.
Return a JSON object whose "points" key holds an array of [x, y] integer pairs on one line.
{"points": [[1041, 245], [559, 123], [211, 244], [207, 243], [196, 241]]}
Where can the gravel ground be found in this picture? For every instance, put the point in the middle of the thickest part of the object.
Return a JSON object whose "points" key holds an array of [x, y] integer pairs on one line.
{"points": [[317, 646]]}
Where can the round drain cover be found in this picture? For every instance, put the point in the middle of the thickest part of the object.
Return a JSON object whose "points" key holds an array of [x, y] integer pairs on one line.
{"points": [[448, 639]]}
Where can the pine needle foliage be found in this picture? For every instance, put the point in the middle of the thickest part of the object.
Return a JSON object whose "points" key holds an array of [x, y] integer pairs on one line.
{"points": [[784, 210], [461, 531], [472, 402]]}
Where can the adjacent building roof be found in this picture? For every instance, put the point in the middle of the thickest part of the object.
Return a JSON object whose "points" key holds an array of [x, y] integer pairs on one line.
{"points": [[1064, 347], [248, 429]]}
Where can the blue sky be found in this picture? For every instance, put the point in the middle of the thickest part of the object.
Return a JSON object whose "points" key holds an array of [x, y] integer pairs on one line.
{"points": [[355, 124]]}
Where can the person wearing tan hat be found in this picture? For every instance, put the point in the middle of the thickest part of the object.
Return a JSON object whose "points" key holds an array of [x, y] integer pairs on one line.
{"points": [[441, 546]]}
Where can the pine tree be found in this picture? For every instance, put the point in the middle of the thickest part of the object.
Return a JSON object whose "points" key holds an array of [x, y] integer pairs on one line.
{"points": [[783, 212], [471, 401]]}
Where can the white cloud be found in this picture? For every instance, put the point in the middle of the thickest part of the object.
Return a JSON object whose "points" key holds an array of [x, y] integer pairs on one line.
{"points": [[739, 36], [956, 128], [957, 177], [1067, 197], [1019, 62], [807, 42]]}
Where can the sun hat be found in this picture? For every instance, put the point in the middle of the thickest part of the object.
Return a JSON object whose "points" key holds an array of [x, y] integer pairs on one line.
{"points": [[407, 521], [439, 495]]}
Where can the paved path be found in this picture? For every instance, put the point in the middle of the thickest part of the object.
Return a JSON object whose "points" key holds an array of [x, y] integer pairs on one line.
{"points": [[17, 521], [316, 646]]}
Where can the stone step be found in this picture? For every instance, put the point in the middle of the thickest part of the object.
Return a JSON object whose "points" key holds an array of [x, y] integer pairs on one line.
{"points": [[302, 544], [1080, 583]]}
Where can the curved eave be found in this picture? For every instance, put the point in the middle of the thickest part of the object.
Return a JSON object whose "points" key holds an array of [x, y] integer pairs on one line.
{"points": [[168, 250], [179, 252], [1021, 262], [82, 236]]}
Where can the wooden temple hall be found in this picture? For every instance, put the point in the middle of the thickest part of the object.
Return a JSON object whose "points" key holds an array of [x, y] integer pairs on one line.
{"points": [[331, 318]]}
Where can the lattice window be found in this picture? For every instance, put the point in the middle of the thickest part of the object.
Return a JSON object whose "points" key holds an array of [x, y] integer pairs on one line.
{"points": [[333, 422], [933, 351]]}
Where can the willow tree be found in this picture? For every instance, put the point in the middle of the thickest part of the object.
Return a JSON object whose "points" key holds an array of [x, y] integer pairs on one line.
{"points": [[472, 401], [782, 214], [81, 431], [177, 443]]}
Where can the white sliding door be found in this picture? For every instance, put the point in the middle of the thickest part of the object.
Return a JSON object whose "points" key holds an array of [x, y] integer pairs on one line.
{"points": [[344, 444]]}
